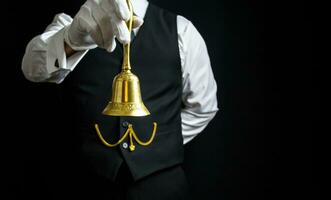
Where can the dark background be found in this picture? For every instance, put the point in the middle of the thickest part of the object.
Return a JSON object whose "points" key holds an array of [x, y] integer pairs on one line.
{"points": [[259, 146]]}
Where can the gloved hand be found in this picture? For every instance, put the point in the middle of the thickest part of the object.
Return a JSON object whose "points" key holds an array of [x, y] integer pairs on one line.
{"points": [[98, 23]]}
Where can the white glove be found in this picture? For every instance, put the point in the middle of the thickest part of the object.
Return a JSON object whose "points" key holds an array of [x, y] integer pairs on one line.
{"points": [[98, 23]]}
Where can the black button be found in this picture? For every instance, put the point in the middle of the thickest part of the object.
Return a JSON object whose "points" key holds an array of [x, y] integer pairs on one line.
{"points": [[125, 124]]}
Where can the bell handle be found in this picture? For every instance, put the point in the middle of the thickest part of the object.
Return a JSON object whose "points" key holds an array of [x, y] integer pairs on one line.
{"points": [[126, 66]]}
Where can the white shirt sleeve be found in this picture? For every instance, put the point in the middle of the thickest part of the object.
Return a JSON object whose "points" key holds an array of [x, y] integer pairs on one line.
{"points": [[199, 86], [44, 59]]}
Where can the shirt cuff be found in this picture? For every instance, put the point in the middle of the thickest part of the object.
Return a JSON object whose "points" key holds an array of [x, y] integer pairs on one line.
{"points": [[56, 56]]}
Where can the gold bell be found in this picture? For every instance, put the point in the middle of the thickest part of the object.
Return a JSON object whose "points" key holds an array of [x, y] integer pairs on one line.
{"points": [[126, 96]]}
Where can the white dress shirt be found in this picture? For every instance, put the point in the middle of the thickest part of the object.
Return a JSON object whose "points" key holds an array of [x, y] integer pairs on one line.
{"points": [[199, 85]]}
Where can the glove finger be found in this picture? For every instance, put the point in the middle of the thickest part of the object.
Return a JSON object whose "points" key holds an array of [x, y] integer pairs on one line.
{"points": [[107, 43], [83, 17], [96, 35], [77, 33], [137, 22], [120, 29], [120, 7], [102, 31], [111, 46]]}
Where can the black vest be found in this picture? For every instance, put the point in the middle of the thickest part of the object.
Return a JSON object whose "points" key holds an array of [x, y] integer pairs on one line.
{"points": [[87, 90]]}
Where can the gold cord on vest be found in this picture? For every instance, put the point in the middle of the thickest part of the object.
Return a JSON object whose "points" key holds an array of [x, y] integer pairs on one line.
{"points": [[132, 134]]}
